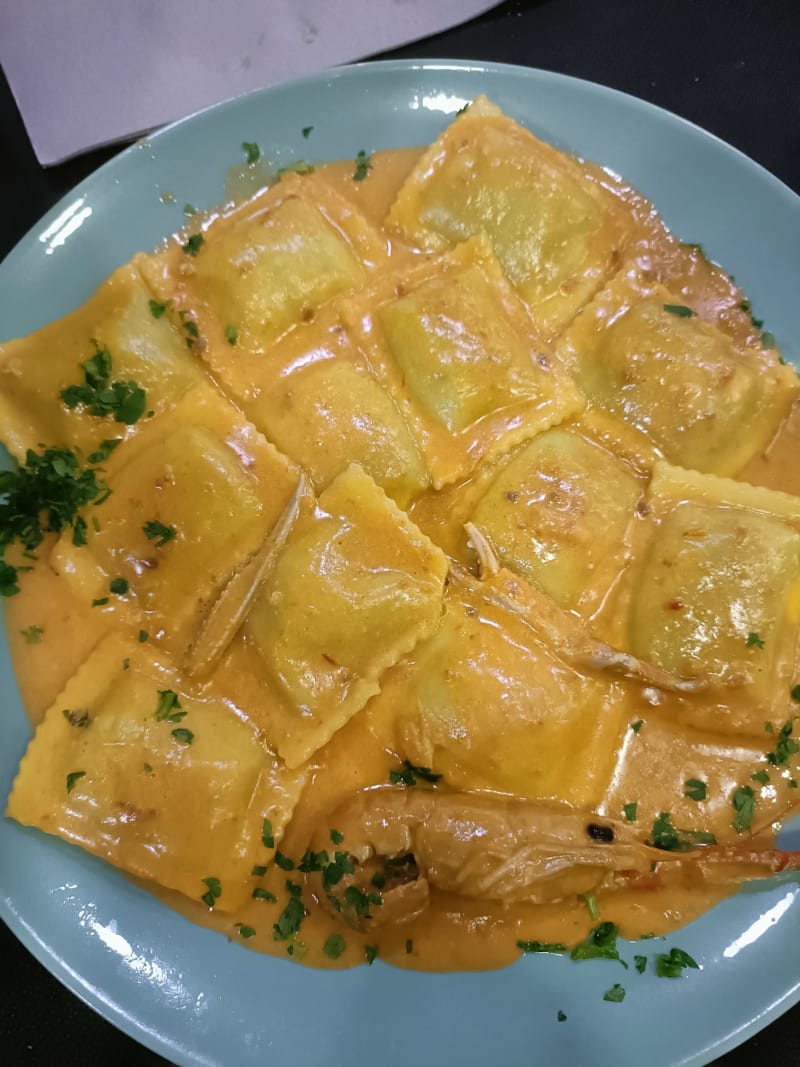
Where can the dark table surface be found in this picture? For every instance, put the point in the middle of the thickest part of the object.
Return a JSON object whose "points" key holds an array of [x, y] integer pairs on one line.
{"points": [[731, 66]]}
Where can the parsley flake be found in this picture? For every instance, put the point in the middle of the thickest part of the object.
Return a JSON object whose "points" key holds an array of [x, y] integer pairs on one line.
{"points": [[640, 963], [562, 1016], [118, 586], [636, 726], [100, 602], [158, 532], [169, 707], [672, 839], [673, 963], [259, 870], [194, 244], [744, 806], [157, 309], [760, 776], [680, 310], [754, 641], [408, 774], [264, 894], [246, 931], [341, 865], [542, 946], [105, 450], [214, 891], [267, 836], [312, 861], [363, 166], [785, 747], [590, 900], [251, 151], [306, 130], [370, 953], [283, 862], [32, 634], [629, 811], [600, 943], [616, 994], [795, 694], [334, 946], [143, 635], [292, 915], [409, 946], [231, 335], [79, 719], [73, 777], [337, 837], [185, 737], [695, 789]]}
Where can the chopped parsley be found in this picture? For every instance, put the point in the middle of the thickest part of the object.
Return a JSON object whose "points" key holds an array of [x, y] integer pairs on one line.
{"points": [[334, 946], [245, 931], [542, 946], [283, 862], [629, 811], [231, 335], [259, 870], [795, 694], [264, 894], [143, 635], [341, 865], [267, 836], [251, 151], [105, 450], [73, 777], [337, 837], [409, 773], [184, 736], [681, 310], [100, 396], [370, 953], [616, 994], [600, 943], [695, 789], [158, 532], [785, 747], [32, 634], [640, 963], [189, 210], [194, 244], [363, 166], [760, 776], [562, 1016], [191, 328], [672, 839], [754, 641], [41, 497], [673, 963], [636, 726], [590, 900], [409, 946], [744, 806], [359, 901], [147, 768], [292, 915], [298, 166], [213, 892], [169, 707], [157, 309], [306, 130], [768, 339], [312, 861], [118, 586], [100, 602]]}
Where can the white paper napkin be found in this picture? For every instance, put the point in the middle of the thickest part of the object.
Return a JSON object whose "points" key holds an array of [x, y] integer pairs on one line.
{"points": [[90, 72]]}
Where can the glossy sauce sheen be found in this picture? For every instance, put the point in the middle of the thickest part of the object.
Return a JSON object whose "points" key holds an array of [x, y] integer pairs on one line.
{"points": [[454, 933]]}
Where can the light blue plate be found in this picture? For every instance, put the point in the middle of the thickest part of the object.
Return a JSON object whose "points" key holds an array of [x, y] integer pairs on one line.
{"points": [[188, 993]]}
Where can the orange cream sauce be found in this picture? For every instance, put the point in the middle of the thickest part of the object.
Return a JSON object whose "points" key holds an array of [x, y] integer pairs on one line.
{"points": [[453, 933]]}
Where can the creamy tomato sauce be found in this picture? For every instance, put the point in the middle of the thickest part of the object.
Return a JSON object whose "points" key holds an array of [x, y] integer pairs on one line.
{"points": [[453, 932]]}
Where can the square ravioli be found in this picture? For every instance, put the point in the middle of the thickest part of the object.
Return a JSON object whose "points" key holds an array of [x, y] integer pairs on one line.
{"points": [[704, 400], [257, 270], [354, 589], [714, 594], [558, 513], [111, 359], [491, 702], [458, 350], [314, 396], [558, 234], [198, 506], [160, 778]]}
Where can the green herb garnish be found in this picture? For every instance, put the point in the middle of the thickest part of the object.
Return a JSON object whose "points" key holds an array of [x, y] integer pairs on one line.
{"points": [[542, 946], [73, 777], [252, 151], [334, 946], [194, 244], [754, 641], [409, 773], [157, 309], [169, 707], [292, 915], [786, 746], [158, 532], [283, 862], [370, 953], [213, 893], [680, 310], [118, 586], [629, 811], [363, 166], [744, 806], [695, 789], [601, 943], [184, 736], [264, 894], [672, 839], [32, 634], [337, 837], [267, 836], [231, 335], [616, 994], [100, 396], [673, 963]]}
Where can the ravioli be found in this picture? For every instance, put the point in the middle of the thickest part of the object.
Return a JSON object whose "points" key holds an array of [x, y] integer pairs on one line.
{"points": [[490, 705], [316, 398], [558, 235], [704, 401], [261, 268], [194, 517], [715, 594], [354, 589], [167, 782], [459, 351], [143, 350], [558, 513]]}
